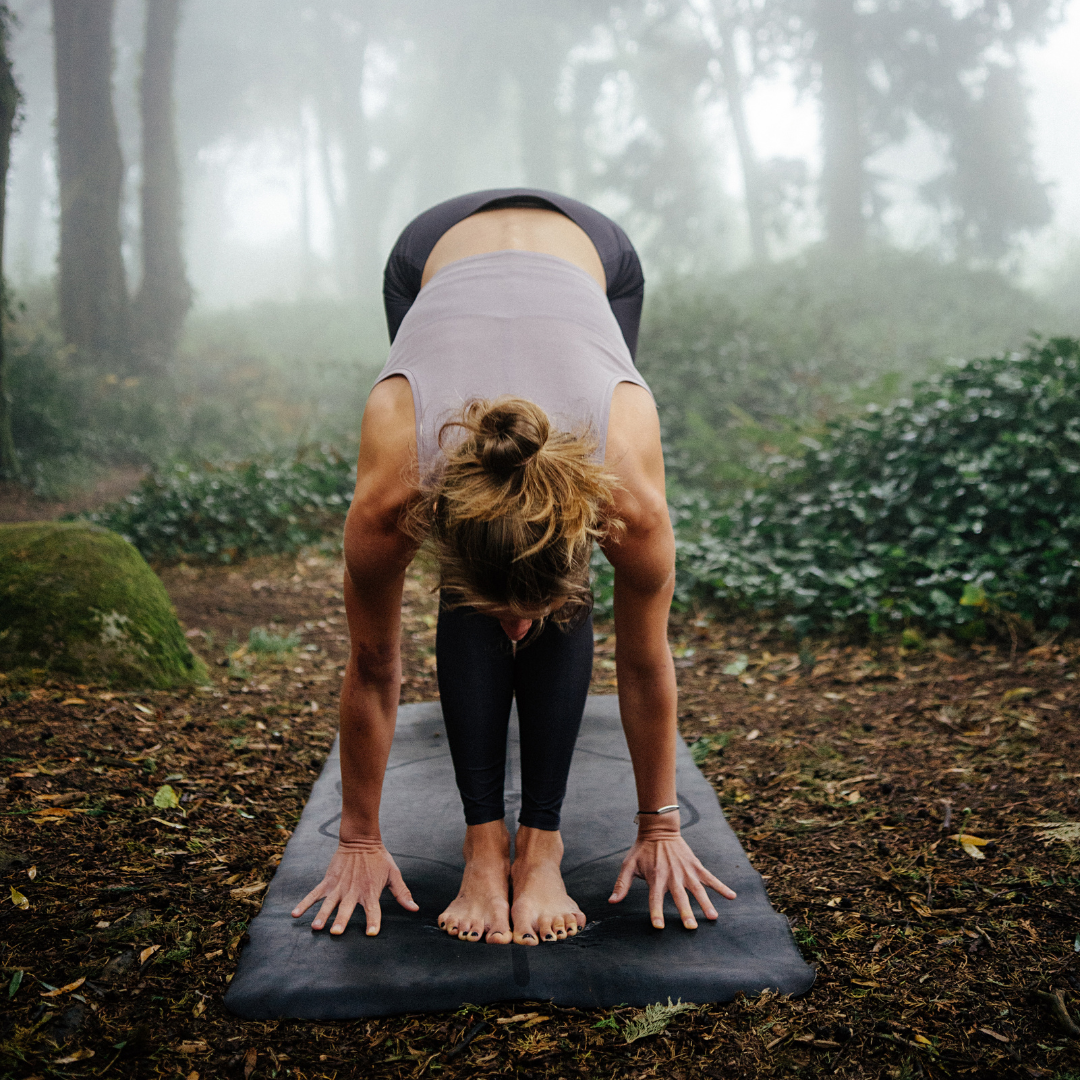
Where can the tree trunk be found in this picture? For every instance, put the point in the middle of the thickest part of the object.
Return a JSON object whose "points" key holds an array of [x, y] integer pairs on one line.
{"points": [[92, 290], [733, 91], [9, 104], [164, 295], [843, 177]]}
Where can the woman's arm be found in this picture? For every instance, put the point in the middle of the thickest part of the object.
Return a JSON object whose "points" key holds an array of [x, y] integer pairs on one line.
{"points": [[643, 556], [377, 554]]}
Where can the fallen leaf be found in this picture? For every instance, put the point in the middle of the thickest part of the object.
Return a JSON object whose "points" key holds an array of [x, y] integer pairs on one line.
{"points": [[920, 907], [73, 701], [56, 811], [79, 1055], [967, 838], [32, 873], [200, 1008], [249, 1061], [195, 1046], [171, 824], [753, 735], [64, 989], [166, 797], [737, 666], [922, 1040], [142, 708], [18, 899], [995, 1035], [516, 1018], [17, 978], [247, 890], [1068, 832], [147, 953], [534, 1021], [973, 851], [1017, 693], [211, 955]]}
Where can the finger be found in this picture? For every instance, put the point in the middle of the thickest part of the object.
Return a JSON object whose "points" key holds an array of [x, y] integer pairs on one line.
{"points": [[703, 900], [400, 891], [374, 916], [716, 884], [682, 903], [622, 883], [325, 911], [315, 894], [344, 914], [656, 904]]}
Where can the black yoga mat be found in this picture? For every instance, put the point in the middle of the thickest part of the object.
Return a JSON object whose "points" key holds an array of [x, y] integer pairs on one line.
{"points": [[287, 970]]}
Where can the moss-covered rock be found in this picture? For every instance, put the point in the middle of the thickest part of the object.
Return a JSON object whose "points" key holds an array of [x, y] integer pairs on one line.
{"points": [[78, 599]]}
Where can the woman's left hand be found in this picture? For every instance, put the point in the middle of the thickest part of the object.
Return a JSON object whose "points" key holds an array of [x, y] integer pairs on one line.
{"points": [[664, 860]]}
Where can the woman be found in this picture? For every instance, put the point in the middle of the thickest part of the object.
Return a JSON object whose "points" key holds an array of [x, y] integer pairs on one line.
{"points": [[511, 423]]}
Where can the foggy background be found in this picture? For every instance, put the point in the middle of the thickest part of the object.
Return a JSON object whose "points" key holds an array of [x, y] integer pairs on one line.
{"points": [[285, 108], [829, 198]]}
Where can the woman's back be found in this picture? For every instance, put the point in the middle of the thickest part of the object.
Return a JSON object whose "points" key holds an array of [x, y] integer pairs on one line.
{"points": [[511, 322]]}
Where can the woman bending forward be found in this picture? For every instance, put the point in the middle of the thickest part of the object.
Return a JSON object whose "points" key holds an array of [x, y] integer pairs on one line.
{"points": [[511, 426]]}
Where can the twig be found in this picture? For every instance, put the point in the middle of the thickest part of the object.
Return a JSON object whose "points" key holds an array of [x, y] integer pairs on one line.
{"points": [[946, 825], [1056, 1001]]}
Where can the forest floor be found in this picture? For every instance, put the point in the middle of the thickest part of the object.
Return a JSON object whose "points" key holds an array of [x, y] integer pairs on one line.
{"points": [[849, 773]]}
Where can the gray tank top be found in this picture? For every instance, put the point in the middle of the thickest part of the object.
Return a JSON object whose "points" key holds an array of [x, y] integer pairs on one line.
{"points": [[510, 322]]}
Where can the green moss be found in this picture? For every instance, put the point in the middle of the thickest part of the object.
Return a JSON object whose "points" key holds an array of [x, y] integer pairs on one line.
{"points": [[81, 600]]}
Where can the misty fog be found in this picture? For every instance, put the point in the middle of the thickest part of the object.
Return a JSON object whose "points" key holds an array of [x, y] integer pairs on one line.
{"points": [[284, 108]]}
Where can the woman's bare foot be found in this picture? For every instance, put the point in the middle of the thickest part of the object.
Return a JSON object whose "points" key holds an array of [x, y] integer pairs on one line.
{"points": [[482, 906], [542, 909]]}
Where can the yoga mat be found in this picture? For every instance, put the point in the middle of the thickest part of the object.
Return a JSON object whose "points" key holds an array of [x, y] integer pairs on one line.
{"points": [[288, 970]]}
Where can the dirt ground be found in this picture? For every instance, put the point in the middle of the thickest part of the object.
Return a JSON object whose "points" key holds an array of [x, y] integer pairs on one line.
{"points": [[854, 778], [19, 504]]}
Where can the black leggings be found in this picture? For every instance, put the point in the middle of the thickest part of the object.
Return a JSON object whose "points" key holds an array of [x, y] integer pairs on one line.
{"points": [[479, 675]]}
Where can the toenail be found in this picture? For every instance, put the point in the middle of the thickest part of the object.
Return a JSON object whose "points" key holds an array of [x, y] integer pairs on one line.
{"points": [[550, 937]]}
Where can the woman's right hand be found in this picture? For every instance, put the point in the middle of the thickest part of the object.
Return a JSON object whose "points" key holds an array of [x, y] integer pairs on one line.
{"points": [[357, 874]]}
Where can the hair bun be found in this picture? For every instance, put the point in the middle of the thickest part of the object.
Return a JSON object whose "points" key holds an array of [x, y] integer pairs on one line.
{"points": [[509, 434]]}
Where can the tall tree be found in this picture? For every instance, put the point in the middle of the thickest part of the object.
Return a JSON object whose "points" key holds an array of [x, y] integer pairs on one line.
{"points": [[843, 141], [9, 106], [878, 66], [93, 296], [164, 296]]}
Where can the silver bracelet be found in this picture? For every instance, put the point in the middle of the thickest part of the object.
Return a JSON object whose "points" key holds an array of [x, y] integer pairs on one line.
{"points": [[662, 810]]}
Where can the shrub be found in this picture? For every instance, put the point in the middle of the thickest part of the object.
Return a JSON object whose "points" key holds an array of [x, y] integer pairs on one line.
{"points": [[957, 508], [230, 511], [742, 365]]}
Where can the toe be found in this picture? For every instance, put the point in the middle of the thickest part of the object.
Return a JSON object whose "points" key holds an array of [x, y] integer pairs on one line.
{"points": [[545, 930], [500, 937], [558, 926], [525, 936]]}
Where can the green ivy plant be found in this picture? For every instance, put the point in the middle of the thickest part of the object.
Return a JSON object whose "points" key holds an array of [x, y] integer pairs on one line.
{"points": [[958, 509], [227, 512]]}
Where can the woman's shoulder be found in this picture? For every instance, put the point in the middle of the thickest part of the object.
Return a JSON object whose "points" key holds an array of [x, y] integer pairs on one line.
{"points": [[386, 469]]}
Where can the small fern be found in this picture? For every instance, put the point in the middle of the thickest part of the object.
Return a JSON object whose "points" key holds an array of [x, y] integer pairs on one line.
{"points": [[654, 1018]]}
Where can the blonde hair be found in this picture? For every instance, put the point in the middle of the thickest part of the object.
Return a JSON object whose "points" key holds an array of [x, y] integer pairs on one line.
{"points": [[515, 510]]}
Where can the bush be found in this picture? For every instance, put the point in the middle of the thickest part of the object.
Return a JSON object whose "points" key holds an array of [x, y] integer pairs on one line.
{"points": [[245, 384], [742, 365], [230, 511], [958, 508]]}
